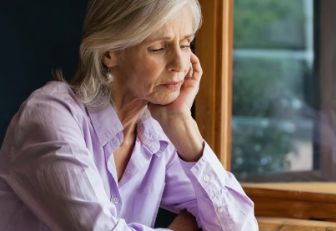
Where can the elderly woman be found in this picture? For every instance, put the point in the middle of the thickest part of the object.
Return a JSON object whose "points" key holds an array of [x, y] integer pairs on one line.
{"points": [[105, 151]]}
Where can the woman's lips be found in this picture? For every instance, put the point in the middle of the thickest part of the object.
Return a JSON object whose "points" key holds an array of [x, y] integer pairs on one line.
{"points": [[173, 86]]}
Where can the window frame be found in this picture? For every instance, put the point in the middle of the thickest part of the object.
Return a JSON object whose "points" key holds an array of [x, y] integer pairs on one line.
{"points": [[213, 103], [327, 72]]}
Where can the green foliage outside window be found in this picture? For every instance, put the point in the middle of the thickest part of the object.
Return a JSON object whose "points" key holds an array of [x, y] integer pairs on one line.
{"points": [[264, 89], [256, 20]]}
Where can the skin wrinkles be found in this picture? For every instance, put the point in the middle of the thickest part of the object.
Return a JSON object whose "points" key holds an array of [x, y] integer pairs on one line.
{"points": [[156, 73], [139, 73]]}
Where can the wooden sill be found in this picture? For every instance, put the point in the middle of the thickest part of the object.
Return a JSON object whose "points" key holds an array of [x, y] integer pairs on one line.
{"points": [[310, 201], [280, 224], [304, 187]]}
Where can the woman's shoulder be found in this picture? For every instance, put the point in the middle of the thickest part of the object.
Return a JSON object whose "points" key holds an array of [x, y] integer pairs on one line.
{"points": [[56, 90], [53, 94], [55, 101], [49, 114]]}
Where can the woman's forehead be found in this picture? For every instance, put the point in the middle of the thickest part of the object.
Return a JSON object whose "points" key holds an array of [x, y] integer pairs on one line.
{"points": [[181, 25]]}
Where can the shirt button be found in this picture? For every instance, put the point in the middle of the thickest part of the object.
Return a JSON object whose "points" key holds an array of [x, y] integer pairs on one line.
{"points": [[116, 200], [220, 210], [206, 178]]}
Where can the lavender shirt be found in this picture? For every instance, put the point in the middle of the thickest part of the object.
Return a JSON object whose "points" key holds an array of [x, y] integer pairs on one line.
{"points": [[57, 172]]}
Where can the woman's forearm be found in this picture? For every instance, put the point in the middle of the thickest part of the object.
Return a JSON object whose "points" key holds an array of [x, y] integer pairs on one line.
{"points": [[183, 132]]}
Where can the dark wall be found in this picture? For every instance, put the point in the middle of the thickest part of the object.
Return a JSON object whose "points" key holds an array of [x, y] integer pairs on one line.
{"points": [[35, 37]]}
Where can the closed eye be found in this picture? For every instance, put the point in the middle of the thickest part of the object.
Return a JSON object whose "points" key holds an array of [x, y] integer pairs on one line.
{"points": [[161, 49], [156, 50], [185, 46]]}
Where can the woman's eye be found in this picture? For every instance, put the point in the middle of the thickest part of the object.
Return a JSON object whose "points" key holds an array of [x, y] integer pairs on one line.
{"points": [[185, 46], [156, 50]]}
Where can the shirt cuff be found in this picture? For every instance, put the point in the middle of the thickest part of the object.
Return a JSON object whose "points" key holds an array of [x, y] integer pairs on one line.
{"points": [[207, 175]]}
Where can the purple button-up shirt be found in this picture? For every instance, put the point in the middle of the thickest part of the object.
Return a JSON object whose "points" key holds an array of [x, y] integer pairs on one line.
{"points": [[57, 172]]}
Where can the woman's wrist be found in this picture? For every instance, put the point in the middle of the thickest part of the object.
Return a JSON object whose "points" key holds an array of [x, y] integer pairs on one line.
{"points": [[183, 132]]}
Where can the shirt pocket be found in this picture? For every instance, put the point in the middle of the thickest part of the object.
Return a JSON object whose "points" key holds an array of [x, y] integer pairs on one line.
{"points": [[146, 206]]}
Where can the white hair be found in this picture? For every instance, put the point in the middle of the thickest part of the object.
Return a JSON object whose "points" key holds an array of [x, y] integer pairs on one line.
{"points": [[114, 25]]}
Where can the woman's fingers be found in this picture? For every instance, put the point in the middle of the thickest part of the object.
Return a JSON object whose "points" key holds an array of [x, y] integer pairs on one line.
{"points": [[191, 71], [196, 66], [196, 73]]}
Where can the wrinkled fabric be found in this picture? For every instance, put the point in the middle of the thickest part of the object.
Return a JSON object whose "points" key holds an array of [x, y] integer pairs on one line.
{"points": [[57, 172]]}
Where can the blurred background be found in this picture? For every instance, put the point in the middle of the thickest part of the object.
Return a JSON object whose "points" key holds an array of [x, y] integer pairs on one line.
{"points": [[275, 90]]}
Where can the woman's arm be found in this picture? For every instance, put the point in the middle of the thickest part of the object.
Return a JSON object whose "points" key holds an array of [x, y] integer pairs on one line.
{"points": [[176, 120], [45, 161], [210, 193], [219, 202]]}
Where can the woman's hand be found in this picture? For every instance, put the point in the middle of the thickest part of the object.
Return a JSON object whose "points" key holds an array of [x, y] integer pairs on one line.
{"points": [[176, 119], [184, 222], [182, 105]]}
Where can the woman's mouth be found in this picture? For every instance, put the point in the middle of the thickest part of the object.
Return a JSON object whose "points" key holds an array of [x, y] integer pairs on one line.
{"points": [[173, 86]]}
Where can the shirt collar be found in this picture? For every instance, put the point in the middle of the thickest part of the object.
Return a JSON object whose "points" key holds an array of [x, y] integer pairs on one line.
{"points": [[105, 123], [151, 133], [107, 126]]}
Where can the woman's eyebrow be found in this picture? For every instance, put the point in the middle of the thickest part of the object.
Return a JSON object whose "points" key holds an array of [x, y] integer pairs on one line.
{"points": [[169, 38], [189, 36]]}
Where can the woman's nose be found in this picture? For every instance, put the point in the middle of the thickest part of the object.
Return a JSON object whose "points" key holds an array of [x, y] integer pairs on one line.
{"points": [[177, 63]]}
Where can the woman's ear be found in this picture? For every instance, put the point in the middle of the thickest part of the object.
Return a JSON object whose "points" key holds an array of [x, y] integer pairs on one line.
{"points": [[109, 59]]}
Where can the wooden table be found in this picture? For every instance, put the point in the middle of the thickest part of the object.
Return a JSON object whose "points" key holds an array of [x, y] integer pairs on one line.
{"points": [[283, 224]]}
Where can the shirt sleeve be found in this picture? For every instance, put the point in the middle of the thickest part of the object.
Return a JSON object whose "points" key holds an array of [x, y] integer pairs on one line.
{"points": [[210, 193], [53, 173]]}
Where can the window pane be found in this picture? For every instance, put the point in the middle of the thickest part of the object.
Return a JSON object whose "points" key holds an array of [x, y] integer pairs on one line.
{"points": [[274, 96], [270, 24]]}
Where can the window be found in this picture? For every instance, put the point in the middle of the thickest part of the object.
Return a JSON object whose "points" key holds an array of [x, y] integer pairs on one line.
{"points": [[280, 96], [275, 103], [266, 104]]}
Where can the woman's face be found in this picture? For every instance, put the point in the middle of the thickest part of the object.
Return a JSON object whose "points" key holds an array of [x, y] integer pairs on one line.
{"points": [[155, 70]]}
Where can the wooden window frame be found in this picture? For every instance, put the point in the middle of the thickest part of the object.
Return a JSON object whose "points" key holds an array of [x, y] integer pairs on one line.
{"points": [[213, 111], [327, 80], [213, 102]]}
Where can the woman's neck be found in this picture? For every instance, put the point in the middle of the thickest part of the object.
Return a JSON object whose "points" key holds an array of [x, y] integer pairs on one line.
{"points": [[128, 109]]}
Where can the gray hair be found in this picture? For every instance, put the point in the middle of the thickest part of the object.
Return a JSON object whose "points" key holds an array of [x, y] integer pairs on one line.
{"points": [[114, 25]]}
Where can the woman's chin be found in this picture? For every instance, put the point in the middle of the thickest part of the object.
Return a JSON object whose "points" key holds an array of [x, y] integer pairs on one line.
{"points": [[168, 99]]}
